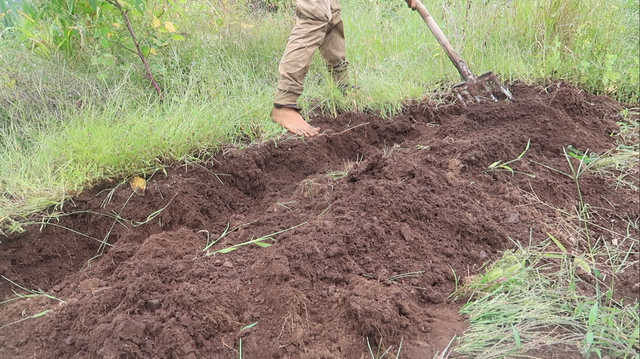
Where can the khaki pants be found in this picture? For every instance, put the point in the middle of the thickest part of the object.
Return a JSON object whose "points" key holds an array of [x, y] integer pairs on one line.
{"points": [[318, 26]]}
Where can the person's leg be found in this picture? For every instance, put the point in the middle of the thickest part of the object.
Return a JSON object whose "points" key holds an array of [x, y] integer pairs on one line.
{"points": [[333, 48], [306, 36]]}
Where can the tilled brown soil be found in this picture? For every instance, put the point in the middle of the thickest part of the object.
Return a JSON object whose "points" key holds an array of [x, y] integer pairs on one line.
{"points": [[385, 211]]}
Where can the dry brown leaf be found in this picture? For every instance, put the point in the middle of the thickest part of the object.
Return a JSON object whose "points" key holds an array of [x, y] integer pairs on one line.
{"points": [[138, 185]]}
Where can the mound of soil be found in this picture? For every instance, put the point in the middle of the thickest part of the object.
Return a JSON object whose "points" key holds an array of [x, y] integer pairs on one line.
{"points": [[369, 224]]}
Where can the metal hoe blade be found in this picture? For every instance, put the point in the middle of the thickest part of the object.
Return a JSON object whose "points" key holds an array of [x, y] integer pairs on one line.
{"points": [[484, 87]]}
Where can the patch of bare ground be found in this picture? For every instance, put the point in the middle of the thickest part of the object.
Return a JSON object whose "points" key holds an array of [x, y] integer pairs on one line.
{"points": [[387, 211]]}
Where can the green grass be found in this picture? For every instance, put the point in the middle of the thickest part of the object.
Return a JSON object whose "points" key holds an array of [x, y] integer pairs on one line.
{"points": [[532, 299], [621, 162]]}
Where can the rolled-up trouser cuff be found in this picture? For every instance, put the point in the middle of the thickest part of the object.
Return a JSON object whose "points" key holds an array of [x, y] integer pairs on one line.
{"points": [[286, 99], [277, 105], [340, 73]]}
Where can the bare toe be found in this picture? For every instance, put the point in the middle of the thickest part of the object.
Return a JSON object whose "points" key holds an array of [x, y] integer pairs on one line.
{"points": [[290, 119]]}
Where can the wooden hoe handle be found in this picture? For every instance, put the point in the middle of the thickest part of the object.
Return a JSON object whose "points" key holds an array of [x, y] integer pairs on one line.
{"points": [[446, 45]]}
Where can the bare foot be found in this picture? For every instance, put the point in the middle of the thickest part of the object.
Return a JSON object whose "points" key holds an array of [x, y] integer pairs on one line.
{"points": [[290, 119]]}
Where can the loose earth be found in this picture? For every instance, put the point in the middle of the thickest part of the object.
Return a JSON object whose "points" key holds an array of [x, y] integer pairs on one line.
{"points": [[358, 236]]}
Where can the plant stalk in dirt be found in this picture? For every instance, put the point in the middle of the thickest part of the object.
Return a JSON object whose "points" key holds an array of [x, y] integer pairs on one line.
{"points": [[506, 166], [378, 352], [261, 242], [583, 209], [31, 294]]}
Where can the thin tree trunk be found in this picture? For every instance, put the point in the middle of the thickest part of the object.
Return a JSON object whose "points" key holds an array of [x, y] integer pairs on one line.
{"points": [[116, 3]]}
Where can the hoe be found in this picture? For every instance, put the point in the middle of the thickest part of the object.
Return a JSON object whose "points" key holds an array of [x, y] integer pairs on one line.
{"points": [[485, 86]]}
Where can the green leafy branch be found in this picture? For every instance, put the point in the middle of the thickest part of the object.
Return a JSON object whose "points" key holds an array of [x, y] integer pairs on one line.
{"points": [[100, 26], [139, 52]]}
